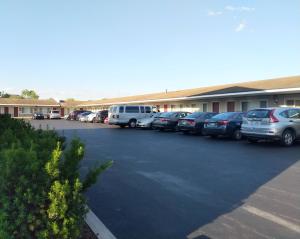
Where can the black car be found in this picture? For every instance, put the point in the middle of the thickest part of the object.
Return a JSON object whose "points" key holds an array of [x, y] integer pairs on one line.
{"points": [[73, 115], [168, 120], [194, 122], [226, 124], [100, 117], [38, 115]]}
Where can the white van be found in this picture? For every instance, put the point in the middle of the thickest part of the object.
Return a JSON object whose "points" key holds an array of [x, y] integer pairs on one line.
{"points": [[124, 115]]}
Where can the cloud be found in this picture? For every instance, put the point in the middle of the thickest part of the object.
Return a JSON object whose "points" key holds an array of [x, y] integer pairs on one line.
{"points": [[214, 13], [240, 27], [239, 9]]}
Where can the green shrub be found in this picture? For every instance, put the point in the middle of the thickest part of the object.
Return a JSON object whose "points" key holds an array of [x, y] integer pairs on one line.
{"points": [[42, 195]]}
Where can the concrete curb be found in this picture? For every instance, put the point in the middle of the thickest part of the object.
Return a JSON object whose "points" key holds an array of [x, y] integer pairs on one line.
{"points": [[100, 230]]}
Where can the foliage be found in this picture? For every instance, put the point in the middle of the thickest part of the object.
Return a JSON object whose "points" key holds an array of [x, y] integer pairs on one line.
{"points": [[42, 195], [29, 94]]}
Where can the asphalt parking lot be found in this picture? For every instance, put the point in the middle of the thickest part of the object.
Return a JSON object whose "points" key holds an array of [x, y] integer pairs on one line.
{"points": [[166, 185]]}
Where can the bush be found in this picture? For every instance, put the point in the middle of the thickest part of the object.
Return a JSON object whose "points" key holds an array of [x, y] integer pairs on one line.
{"points": [[42, 195]]}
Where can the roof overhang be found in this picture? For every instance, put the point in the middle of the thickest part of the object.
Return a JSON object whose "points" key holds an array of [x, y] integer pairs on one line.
{"points": [[237, 94], [29, 105]]}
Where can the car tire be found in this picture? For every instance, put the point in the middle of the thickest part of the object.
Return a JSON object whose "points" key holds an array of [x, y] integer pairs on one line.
{"points": [[94, 120], [237, 135], [287, 138], [132, 123], [213, 136]]}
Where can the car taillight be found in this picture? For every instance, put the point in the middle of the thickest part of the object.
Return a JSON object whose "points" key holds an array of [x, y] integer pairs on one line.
{"points": [[273, 119], [223, 122], [191, 122], [164, 120]]}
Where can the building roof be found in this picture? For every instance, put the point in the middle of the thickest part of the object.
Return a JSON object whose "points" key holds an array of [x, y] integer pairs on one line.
{"points": [[28, 102], [277, 85]]}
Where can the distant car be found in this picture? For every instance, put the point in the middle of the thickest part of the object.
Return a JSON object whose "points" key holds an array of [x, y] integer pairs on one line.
{"points": [[66, 117], [168, 120], [146, 123], [83, 117], [226, 124], [84, 113], [38, 115], [106, 120], [97, 117], [73, 114], [54, 114], [281, 124], [194, 122]]}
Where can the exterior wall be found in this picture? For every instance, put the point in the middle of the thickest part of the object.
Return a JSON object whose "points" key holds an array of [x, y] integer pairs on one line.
{"points": [[26, 111]]}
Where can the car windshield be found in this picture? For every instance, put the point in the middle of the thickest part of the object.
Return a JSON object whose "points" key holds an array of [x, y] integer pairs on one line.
{"points": [[224, 116], [258, 114], [195, 115], [167, 114]]}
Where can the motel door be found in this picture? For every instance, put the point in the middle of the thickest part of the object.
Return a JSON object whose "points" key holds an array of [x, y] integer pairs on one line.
{"points": [[16, 113], [165, 108], [5, 110], [230, 106], [216, 107], [62, 112]]}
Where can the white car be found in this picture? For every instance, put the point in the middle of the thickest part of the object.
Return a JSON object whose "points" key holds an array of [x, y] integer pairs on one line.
{"points": [[147, 122], [84, 116], [54, 114], [91, 117]]}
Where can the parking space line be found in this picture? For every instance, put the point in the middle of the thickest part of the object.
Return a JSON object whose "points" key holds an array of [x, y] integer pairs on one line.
{"points": [[272, 218], [281, 191]]}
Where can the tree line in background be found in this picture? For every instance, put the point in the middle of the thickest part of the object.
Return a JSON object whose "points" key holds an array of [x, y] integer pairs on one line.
{"points": [[25, 94], [42, 194]]}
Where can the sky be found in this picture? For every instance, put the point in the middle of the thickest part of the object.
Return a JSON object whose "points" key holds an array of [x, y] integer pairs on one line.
{"points": [[99, 49]]}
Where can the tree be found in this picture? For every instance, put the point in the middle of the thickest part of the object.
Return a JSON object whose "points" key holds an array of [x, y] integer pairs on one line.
{"points": [[29, 94], [4, 94]]}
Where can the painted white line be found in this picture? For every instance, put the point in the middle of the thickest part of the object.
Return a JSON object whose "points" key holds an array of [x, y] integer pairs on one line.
{"points": [[100, 230], [272, 218]]}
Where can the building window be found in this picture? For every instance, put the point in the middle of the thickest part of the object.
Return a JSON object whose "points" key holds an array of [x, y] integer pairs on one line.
{"points": [[180, 106], [290, 102], [244, 106], [204, 107], [263, 104], [173, 107]]}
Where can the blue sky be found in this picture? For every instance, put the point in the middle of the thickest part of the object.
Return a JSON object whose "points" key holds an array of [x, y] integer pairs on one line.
{"points": [[96, 49]]}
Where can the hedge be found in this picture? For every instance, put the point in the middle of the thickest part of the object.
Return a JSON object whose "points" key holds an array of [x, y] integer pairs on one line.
{"points": [[42, 195]]}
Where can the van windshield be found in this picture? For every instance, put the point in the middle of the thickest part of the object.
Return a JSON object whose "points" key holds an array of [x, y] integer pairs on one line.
{"points": [[55, 111]]}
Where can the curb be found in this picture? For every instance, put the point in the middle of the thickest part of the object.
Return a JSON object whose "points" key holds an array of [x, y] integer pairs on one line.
{"points": [[100, 230]]}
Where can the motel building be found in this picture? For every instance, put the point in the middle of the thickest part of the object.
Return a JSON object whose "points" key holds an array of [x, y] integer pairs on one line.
{"points": [[222, 98]]}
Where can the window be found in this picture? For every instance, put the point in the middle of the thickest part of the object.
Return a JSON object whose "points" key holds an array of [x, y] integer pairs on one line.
{"points": [[204, 109], [263, 104], [244, 106], [132, 109], [180, 106], [148, 109], [194, 106], [121, 109], [142, 109], [173, 107], [290, 102], [292, 114], [21, 110], [297, 102]]}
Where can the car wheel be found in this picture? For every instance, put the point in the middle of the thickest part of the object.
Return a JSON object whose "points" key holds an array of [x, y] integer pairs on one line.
{"points": [[287, 138], [132, 123], [237, 134], [94, 120], [252, 141]]}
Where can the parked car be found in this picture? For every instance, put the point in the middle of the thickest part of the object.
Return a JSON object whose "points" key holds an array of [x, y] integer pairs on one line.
{"points": [[38, 115], [83, 117], [168, 120], [106, 120], [128, 115], [281, 124], [146, 123], [73, 115], [97, 117], [226, 124], [54, 114], [194, 122]]}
